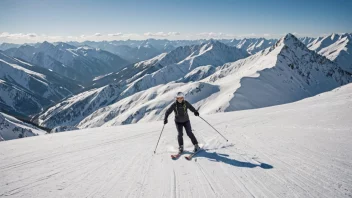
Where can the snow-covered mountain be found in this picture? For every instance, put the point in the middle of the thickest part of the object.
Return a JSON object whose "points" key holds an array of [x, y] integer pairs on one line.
{"points": [[212, 53], [78, 63], [252, 45], [12, 128], [128, 51], [139, 50], [6, 46], [301, 149], [306, 40], [163, 45], [323, 42], [167, 67], [337, 48], [26, 89], [139, 69], [283, 73]]}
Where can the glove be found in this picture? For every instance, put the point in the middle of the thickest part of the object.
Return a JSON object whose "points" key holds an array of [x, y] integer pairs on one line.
{"points": [[196, 113], [165, 121]]}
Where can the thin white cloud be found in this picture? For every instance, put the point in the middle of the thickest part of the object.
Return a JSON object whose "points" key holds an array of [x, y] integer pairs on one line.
{"points": [[32, 35], [208, 34], [17, 35], [115, 34], [35, 37], [55, 37], [161, 34], [174, 33], [131, 35], [218, 35]]}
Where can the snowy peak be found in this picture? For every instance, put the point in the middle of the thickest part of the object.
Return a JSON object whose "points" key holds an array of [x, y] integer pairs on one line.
{"points": [[306, 40], [215, 44], [290, 40], [340, 52], [65, 46], [252, 45], [45, 46], [324, 42], [334, 36], [6, 46]]}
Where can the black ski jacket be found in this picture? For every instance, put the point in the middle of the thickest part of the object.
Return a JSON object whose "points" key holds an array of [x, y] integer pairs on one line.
{"points": [[180, 110]]}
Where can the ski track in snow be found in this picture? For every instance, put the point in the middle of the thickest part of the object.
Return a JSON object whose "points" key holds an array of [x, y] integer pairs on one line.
{"points": [[300, 149]]}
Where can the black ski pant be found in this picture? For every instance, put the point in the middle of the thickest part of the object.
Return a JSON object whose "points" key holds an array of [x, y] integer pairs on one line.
{"points": [[187, 126]]}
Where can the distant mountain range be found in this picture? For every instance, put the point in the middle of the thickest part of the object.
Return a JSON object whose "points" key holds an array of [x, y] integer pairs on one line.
{"points": [[27, 89], [335, 47], [141, 76], [286, 72], [78, 63], [89, 84]]}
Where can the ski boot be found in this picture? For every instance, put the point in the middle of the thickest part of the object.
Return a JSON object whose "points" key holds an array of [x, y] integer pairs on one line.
{"points": [[196, 148], [180, 149]]}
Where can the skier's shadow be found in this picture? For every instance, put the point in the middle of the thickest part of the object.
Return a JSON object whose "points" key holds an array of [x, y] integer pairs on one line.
{"points": [[218, 157]]}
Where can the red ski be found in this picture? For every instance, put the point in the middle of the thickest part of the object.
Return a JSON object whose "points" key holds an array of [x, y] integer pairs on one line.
{"points": [[189, 157], [176, 156]]}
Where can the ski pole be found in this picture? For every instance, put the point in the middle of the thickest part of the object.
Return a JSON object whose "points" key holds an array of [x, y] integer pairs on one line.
{"points": [[159, 138], [214, 129]]}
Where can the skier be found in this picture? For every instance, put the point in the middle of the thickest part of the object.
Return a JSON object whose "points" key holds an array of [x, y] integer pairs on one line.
{"points": [[180, 107]]}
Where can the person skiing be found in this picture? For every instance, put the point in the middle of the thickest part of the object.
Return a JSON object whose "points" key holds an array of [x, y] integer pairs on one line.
{"points": [[180, 107]]}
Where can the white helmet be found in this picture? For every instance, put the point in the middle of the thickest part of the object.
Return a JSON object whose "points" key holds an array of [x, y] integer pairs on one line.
{"points": [[180, 94]]}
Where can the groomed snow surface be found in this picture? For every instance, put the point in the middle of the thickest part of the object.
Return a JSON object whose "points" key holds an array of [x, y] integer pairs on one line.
{"points": [[301, 149]]}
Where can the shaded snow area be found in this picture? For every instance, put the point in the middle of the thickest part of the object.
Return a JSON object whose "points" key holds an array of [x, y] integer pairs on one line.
{"points": [[12, 128], [301, 149]]}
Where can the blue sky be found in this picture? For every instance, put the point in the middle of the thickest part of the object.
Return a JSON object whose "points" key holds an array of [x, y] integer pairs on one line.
{"points": [[21, 21]]}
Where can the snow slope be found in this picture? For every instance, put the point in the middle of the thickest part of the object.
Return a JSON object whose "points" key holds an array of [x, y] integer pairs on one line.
{"points": [[148, 105], [300, 149], [12, 128], [283, 73]]}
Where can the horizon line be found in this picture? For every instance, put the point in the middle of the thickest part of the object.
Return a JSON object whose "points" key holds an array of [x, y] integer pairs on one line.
{"points": [[98, 37]]}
